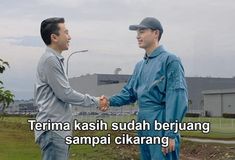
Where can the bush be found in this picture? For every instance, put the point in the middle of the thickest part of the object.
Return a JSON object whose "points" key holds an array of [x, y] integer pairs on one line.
{"points": [[192, 115], [228, 115]]}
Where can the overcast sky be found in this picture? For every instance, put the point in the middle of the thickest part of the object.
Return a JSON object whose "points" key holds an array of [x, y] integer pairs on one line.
{"points": [[200, 32]]}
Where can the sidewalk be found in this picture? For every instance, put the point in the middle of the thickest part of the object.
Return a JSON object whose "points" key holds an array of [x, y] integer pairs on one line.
{"points": [[209, 140]]}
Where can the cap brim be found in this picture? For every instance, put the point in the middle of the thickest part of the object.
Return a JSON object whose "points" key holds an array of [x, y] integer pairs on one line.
{"points": [[136, 27]]}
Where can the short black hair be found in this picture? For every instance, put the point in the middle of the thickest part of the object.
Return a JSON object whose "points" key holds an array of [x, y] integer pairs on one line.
{"points": [[160, 33], [50, 26]]}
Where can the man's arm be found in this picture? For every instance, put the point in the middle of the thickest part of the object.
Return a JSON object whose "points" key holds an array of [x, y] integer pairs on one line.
{"points": [[176, 99], [61, 87], [126, 96], [176, 94]]}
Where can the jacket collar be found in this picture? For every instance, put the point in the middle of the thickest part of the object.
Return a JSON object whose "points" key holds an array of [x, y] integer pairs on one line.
{"points": [[157, 51], [57, 54]]}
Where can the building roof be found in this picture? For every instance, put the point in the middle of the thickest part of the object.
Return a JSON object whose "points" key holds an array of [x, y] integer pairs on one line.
{"points": [[219, 91], [112, 78]]}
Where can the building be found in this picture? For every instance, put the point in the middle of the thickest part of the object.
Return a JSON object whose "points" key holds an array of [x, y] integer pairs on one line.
{"points": [[22, 107], [196, 85], [109, 84], [27, 108], [99, 84], [219, 102]]}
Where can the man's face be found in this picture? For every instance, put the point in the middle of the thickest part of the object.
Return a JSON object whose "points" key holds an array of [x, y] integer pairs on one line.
{"points": [[146, 38], [62, 40]]}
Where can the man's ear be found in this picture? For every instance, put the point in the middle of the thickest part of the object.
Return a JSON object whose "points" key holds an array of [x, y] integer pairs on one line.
{"points": [[53, 37], [157, 33]]}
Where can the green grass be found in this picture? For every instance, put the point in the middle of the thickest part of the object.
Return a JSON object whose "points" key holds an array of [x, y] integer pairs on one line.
{"points": [[221, 128], [17, 119], [17, 142]]}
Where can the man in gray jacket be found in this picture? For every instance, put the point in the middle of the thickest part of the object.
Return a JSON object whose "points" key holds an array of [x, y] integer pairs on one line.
{"points": [[53, 93]]}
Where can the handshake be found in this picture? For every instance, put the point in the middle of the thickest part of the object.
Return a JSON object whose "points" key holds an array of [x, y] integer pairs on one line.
{"points": [[103, 103]]}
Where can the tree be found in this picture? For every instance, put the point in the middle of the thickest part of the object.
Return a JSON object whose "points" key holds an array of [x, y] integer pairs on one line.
{"points": [[6, 97]]}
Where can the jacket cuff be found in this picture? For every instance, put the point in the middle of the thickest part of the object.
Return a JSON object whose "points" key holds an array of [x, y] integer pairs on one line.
{"points": [[96, 101], [171, 134], [110, 101]]}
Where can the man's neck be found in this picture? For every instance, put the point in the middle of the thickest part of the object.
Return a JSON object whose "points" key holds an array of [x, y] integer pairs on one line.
{"points": [[151, 49], [55, 48]]}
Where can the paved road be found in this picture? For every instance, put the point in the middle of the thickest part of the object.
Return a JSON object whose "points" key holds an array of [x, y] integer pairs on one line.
{"points": [[209, 140]]}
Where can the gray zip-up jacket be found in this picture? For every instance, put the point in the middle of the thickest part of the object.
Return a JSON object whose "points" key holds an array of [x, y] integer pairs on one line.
{"points": [[53, 94]]}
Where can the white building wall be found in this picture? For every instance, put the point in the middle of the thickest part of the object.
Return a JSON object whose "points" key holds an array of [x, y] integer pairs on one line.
{"points": [[212, 104], [86, 84], [229, 103]]}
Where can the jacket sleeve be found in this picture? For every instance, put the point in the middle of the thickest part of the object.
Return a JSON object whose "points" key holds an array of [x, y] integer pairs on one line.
{"points": [[176, 95], [60, 86], [127, 95]]}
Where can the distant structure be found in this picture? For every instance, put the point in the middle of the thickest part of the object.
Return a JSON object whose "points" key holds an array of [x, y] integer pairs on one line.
{"points": [[196, 86], [219, 102], [109, 84], [22, 107], [117, 70], [207, 96]]}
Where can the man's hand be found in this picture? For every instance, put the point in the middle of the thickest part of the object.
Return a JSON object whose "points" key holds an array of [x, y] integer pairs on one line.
{"points": [[170, 148], [104, 103]]}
